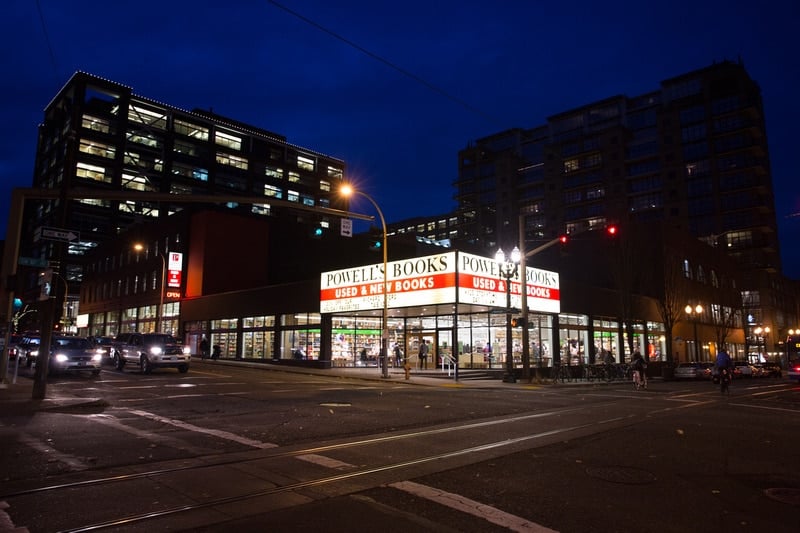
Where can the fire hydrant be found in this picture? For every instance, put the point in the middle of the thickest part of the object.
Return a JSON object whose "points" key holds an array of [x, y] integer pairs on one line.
{"points": [[407, 368]]}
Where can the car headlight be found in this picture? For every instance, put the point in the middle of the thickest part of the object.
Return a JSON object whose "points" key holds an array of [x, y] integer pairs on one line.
{"points": [[100, 351], [34, 353], [60, 358], [187, 350], [156, 350], [97, 357]]}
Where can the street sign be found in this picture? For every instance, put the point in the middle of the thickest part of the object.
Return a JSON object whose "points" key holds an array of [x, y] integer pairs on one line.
{"points": [[55, 234], [32, 262], [346, 226]]}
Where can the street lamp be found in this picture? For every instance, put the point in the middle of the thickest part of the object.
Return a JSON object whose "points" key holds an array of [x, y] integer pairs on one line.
{"points": [[762, 333], [509, 268], [694, 316], [348, 191], [140, 247]]}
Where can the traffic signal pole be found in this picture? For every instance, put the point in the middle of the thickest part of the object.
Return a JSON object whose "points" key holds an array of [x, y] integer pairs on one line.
{"points": [[526, 349], [9, 273]]}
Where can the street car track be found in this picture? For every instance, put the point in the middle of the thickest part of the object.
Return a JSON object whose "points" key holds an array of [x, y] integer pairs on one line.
{"points": [[585, 422], [60, 489]]}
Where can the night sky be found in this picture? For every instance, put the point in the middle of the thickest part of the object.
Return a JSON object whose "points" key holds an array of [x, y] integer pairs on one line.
{"points": [[395, 89]]}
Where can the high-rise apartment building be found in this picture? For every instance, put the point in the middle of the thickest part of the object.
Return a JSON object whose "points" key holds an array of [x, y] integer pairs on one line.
{"points": [[692, 154], [97, 134]]}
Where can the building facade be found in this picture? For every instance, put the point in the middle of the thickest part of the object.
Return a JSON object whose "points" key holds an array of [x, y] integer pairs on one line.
{"points": [[692, 153], [98, 135]]}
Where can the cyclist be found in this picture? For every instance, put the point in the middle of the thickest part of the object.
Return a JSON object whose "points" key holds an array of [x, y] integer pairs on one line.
{"points": [[723, 369], [638, 365]]}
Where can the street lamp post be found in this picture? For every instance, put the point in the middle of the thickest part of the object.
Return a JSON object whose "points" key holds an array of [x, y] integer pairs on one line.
{"points": [[694, 315], [762, 333], [346, 191], [509, 268], [159, 312]]}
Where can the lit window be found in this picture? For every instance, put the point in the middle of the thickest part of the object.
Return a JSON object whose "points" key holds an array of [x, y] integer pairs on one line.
{"points": [[305, 163], [232, 160], [324, 185], [294, 177], [228, 141], [260, 209], [571, 165], [95, 124], [191, 130], [274, 172], [336, 173], [153, 119], [96, 148], [136, 183], [92, 172], [272, 191]]}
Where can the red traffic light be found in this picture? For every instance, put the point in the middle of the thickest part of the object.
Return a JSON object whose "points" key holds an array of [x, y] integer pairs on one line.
{"points": [[563, 239], [611, 230]]}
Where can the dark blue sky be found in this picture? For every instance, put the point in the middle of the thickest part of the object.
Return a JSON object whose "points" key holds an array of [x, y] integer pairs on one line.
{"points": [[493, 64]]}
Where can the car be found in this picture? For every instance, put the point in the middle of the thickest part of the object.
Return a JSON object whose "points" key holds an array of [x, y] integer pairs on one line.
{"points": [[793, 369], [771, 370], [28, 349], [742, 369], [72, 354], [150, 351], [106, 345], [691, 370], [13, 342]]}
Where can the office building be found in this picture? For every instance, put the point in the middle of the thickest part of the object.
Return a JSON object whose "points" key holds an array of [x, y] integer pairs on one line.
{"points": [[99, 136]]}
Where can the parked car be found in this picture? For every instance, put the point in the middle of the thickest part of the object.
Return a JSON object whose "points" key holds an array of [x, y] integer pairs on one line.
{"points": [[151, 350], [72, 354], [742, 369], [691, 370], [769, 370]]}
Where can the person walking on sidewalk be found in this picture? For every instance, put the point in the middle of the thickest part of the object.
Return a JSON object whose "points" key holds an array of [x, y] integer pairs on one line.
{"points": [[423, 355]]}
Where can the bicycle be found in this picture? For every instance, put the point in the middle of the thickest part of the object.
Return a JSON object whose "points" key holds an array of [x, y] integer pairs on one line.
{"points": [[639, 379], [725, 381], [561, 372]]}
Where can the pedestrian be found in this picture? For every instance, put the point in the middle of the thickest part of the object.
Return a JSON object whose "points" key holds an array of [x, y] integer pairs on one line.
{"points": [[638, 365], [423, 355], [487, 354], [204, 348], [398, 355]]}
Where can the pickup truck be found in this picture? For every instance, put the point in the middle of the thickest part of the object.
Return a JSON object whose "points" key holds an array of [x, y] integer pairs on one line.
{"points": [[151, 350]]}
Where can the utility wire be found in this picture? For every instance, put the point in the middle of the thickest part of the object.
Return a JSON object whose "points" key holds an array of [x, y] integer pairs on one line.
{"points": [[47, 37], [389, 64]]}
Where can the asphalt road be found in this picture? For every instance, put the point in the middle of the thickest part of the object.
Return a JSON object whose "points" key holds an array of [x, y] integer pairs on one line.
{"points": [[235, 448]]}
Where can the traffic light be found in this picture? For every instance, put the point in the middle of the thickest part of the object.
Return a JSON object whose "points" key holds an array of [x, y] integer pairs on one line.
{"points": [[46, 283], [317, 232], [611, 230], [518, 322], [375, 239], [563, 239]]}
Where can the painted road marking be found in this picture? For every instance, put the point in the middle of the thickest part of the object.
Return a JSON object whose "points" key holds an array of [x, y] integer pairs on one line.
{"points": [[471, 507]]}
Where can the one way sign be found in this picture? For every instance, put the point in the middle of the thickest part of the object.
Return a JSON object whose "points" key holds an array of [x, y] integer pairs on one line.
{"points": [[55, 234]]}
